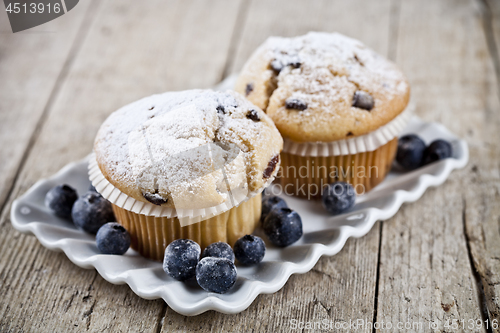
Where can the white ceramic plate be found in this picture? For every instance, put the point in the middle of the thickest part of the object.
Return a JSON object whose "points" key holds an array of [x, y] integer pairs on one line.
{"points": [[323, 234]]}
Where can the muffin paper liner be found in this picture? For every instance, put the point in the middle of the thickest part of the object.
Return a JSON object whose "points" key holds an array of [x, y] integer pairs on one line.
{"points": [[362, 170], [150, 235], [360, 144], [185, 216]]}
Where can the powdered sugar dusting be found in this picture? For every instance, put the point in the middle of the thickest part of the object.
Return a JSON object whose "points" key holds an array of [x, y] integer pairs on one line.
{"points": [[307, 85], [332, 66], [189, 148]]}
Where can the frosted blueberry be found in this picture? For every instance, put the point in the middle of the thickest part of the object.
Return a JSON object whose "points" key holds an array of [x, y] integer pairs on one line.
{"points": [[181, 258], [216, 275], [249, 250], [219, 250]]}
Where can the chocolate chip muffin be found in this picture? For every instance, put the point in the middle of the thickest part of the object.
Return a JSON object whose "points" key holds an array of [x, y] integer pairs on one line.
{"points": [[188, 164], [337, 103]]}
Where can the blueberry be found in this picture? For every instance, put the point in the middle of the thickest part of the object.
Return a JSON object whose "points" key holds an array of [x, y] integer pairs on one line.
{"points": [[437, 150], [216, 275], [338, 197], [270, 202], [219, 250], [112, 238], [296, 104], [91, 211], [181, 258], [410, 151], [60, 200], [248, 89], [363, 100], [220, 109], [268, 171], [253, 115], [249, 250], [283, 226]]}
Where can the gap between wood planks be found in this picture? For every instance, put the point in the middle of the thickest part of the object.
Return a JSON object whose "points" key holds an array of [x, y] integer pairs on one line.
{"points": [[477, 278], [487, 20], [75, 48]]}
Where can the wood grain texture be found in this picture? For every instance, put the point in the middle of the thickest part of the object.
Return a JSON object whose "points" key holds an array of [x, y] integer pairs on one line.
{"points": [[33, 64], [482, 199], [130, 51], [425, 268], [490, 15]]}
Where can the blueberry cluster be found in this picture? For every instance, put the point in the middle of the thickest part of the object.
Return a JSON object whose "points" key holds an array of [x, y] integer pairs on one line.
{"points": [[413, 153], [91, 213], [215, 272]]}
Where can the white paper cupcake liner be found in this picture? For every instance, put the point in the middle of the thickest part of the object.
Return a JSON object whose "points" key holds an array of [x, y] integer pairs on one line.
{"points": [[185, 216], [360, 144]]}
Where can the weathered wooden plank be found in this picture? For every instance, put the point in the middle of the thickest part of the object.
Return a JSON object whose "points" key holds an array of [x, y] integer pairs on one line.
{"points": [[294, 18], [482, 198], [32, 65], [131, 51], [425, 270], [339, 289], [490, 16]]}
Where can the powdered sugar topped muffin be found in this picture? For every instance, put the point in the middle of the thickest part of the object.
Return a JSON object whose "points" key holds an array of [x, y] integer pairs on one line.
{"points": [[338, 105], [187, 164], [183, 149], [323, 86]]}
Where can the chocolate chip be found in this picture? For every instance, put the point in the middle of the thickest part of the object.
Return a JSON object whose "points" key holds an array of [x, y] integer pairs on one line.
{"points": [[363, 100], [295, 64], [151, 108], [253, 114], [349, 134], [249, 89], [270, 167], [154, 198], [220, 109], [276, 66], [297, 104]]}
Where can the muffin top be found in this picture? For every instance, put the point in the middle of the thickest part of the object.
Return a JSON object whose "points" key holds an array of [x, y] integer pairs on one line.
{"points": [[188, 149], [323, 87]]}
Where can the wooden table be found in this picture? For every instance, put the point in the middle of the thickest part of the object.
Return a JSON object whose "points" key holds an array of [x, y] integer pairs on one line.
{"points": [[437, 260]]}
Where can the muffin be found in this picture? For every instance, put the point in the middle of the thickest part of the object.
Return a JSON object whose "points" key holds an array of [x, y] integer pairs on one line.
{"points": [[338, 105], [188, 164]]}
